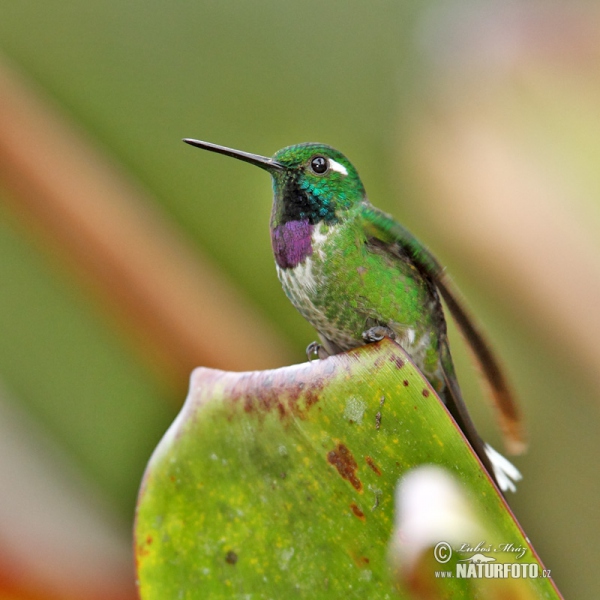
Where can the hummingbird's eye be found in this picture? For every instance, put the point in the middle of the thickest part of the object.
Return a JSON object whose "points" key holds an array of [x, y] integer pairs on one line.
{"points": [[319, 165]]}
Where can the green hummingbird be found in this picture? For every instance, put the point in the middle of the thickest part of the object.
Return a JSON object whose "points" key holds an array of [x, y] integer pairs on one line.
{"points": [[357, 275]]}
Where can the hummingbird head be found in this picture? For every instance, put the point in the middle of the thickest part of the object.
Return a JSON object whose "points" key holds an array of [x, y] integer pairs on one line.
{"points": [[317, 183], [312, 183]]}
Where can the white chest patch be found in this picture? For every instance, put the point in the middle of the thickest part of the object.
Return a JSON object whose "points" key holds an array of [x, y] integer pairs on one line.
{"points": [[320, 235], [300, 279]]}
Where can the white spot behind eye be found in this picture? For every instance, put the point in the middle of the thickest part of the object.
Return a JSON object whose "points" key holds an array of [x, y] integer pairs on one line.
{"points": [[336, 166]]}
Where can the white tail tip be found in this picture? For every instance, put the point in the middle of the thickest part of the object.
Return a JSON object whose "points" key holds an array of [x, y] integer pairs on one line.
{"points": [[506, 473]]}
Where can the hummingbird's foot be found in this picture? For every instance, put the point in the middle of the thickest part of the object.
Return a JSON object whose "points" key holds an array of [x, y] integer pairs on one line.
{"points": [[377, 333], [312, 350], [315, 349]]}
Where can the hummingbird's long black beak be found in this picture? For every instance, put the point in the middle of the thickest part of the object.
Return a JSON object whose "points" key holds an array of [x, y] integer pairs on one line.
{"points": [[254, 159]]}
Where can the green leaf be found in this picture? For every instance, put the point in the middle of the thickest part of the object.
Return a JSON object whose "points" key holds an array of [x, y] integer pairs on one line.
{"points": [[280, 484]]}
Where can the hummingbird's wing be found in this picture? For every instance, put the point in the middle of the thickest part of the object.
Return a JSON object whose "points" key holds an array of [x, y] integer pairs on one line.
{"points": [[384, 228]]}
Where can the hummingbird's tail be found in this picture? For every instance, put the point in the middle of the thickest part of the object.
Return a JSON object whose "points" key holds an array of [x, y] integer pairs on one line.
{"points": [[503, 472], [510, 418]]}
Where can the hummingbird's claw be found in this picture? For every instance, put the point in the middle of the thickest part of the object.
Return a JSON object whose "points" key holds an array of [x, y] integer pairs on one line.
{"points": [[377, 333], [315, 349], [312, 350]]}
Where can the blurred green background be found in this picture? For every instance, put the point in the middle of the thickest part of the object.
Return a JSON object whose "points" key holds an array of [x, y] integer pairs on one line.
{"points": [[475, 124]]}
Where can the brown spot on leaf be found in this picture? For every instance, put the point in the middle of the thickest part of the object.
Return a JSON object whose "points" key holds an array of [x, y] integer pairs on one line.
{"points": [[231, 557], [379, 362], [397, 361], [405, 382], [341, 458], [357, 512], [143, 548], [425, 393], [373, 466], [360, 561], [311, 398]]}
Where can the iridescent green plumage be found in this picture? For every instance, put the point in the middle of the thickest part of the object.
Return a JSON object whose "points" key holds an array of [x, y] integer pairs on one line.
{"points": [[349, 268]]}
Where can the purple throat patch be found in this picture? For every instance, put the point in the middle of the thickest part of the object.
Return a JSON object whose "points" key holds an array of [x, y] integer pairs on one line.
{"points": [[292, 243]]}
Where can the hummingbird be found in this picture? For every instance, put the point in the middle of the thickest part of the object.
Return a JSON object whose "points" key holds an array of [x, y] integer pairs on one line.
{"points": [[357, 275]]}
